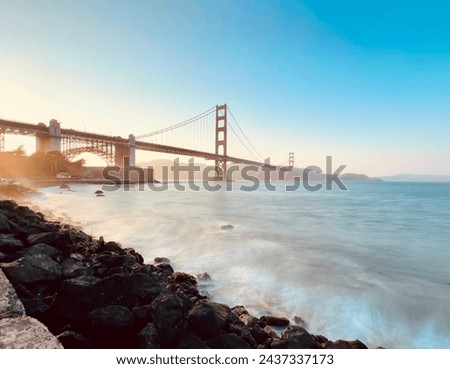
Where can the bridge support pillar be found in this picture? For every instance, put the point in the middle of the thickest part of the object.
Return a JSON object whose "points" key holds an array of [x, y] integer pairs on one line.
{"points": [[50, 141], [132, 150], [291, 160], [221, 142]]}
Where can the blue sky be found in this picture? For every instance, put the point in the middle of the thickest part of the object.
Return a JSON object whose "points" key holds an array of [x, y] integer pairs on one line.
{"points": [[366, 82]]}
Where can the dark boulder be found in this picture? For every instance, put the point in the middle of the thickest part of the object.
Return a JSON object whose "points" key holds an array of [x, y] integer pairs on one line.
{"points": [[4, 224], [79, 296], [227, 227], [31, 269], [180, 277], [113, 247], [259, 334], [73, 268], [161, 260], [207, 319], [148, 337], [113, 317], [193, 342], [110, 259], [9, 244], [204, 277], [146, 288], [227, 341], [50, 238], [275, 320], [169, 313], [43, 249], [294, 337]]}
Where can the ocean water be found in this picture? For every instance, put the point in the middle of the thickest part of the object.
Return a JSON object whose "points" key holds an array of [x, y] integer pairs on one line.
{"points": [[371, 263]]}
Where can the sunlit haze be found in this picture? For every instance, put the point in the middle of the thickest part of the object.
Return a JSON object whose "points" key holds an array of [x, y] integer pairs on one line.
{"points": [[365, 82]]}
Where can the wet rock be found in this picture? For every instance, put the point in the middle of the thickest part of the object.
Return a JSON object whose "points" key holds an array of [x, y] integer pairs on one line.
{"points": [[300, 322], [227, 227], [50, 238], [169, 313], [146, 288], [204, 277], [31, 269], [342, 344], [111, 327], [275, 320], [9, 244], [180, 277], [207, 319], [73, 340], [294, 337], [239, 310], [227, 341], [192, 341], [73, 268], [77, 297], [148, 338], [110, 259], [43, 249], [259, 334], [4, 224], [113, 247], [161, 260]]}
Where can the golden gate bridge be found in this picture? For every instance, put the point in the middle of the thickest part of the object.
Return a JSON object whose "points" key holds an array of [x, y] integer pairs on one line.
{"points": [[191, 137]]}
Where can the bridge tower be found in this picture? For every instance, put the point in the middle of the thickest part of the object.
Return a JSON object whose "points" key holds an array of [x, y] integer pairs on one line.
{"points": [[50, 141], [291, 160], [221, 142]]}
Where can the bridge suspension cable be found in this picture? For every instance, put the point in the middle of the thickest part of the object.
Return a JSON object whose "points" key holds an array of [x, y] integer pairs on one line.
{"points": [[178, 125], [255, 153]]}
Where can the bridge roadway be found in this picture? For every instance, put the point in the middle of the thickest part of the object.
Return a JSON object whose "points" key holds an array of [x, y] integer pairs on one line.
{"points": [[12, 127]]}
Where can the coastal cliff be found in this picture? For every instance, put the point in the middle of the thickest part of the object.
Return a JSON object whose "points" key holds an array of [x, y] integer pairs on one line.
{"points": [[95, 294]]}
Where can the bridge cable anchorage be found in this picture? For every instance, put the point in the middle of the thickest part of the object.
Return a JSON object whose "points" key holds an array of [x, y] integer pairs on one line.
{"points": [[178, 125], [258, 154]]}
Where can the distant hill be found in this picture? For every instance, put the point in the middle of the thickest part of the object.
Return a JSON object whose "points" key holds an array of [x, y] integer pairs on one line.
{"points": [[416, 178], [275, 175]]}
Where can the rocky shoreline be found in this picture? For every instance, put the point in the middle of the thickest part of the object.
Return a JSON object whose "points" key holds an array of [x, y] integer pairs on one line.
{"points": [[95, 294]]}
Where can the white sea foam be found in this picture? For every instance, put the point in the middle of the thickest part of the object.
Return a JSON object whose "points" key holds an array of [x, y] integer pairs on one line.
{"points": [[370, 263]]}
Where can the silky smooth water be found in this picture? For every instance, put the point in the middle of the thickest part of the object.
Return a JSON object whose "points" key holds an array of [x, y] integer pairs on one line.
{"points": [[371, 263]]}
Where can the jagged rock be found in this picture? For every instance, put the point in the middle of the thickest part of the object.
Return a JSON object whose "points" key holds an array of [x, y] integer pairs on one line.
{"points": [[300, 322], [342, 344], [9, 244], [227, 341], [43, 249], [275, 320], [110, 259], [192, 341], [10, 305], [77, 297], [4, 224], [31, 269], [207, 319], [148, 337], [180, 277], [26, 333], [169, 313], [50, 238], [161, 260], [111, 318], [73, 340], [259, 334], [239, 310], [145, 287], [204, 277], [294, 337], [113, 247], [73, 268], [227, 227]]}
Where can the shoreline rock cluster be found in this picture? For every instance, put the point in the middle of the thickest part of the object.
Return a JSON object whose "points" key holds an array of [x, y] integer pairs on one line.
{"points": [[95, 294]]}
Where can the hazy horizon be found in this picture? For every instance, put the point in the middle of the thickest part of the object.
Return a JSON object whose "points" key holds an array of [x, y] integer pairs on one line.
{"points": [[365, 83]]}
